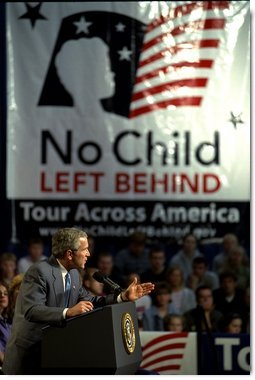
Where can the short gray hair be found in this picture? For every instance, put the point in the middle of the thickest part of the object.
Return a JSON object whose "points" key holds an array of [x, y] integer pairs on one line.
{"points": [[66, 238]]}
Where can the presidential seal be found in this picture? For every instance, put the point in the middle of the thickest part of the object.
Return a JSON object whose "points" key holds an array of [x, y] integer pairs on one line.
{"points": [[128, 332]]}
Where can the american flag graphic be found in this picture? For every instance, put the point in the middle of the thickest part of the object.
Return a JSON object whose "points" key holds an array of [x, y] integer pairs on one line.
{"points": [[164, 353], [177, 56]]}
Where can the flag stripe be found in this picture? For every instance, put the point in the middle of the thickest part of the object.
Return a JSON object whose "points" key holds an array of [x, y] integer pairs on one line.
{"points": [[196, 82], [194, 25], [202, 63], [178, 102], [187, 9], [163, 348], [165, 337], [167, 367], [162, 358], [210, 43]]}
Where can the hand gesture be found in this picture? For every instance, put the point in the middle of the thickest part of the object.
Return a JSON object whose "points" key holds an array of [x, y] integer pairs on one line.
{"points": [[135, 290]]}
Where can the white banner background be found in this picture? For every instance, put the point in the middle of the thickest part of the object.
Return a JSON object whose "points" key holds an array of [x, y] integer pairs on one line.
{"points": [[220, 123]]}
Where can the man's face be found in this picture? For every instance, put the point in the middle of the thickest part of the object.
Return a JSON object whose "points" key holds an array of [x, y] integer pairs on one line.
{"points": [[229, 285], [205, 299], [105, 264], [199, 270], [157, 259], [35, 251], [80, 257]]}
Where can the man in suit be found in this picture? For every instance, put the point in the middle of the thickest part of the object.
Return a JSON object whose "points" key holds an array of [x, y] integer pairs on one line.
{"points": [[41, 299]]}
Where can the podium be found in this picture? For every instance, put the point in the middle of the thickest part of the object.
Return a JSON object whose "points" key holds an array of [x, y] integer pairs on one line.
{"points": [[104, 341]]}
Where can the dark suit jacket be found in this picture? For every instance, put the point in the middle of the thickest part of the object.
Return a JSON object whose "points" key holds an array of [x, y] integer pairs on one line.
{"points": [[40, 302]]}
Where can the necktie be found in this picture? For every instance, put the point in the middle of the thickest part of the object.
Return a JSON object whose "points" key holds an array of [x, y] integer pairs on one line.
{"points": [[67, 288]]}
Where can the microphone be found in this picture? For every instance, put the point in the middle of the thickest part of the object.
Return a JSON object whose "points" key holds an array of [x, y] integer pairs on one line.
{"points": [[100, 277]]}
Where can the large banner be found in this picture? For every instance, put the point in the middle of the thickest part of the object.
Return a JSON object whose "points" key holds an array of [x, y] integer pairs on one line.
{"points": [[187, 353], [141, 103]]}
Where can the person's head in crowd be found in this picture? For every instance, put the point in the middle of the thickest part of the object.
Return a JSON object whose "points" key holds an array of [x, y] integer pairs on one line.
{"points": [[233, 323], [189, 244], [199, 267], [237, 257], [35, 248], [175, 277], [8, 265], [137, 243], [157, 258], [92, 285], [230, 241], [204, 298], [228, 282], [174, 322], [14, 291], [130, 278], [4, 299], [161, 294], [105, 262]]}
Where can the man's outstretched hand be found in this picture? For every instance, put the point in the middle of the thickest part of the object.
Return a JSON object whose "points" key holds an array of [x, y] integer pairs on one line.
{"points": [[135, 290]]}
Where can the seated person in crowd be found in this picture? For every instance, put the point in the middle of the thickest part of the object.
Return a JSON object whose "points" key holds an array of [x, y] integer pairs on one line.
{"points": [[186, 255], [157, 261], [153, 318], [5, 322], [237, 263], [229, 242], [183, 298], [13, 293], [90, 284], [35, 253], [174, 322], [229, 298], [232, 323], [105, 264], [134, 258], [201, 275], [204, 314], [8, 265]]}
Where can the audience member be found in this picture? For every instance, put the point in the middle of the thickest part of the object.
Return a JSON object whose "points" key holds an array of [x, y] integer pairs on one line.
{"points": [[201, 275], [233, 323], [90, 284], [35, 253], [174, 322], [184, 257], [228, 298], [204, 311], [8, 265], [142, 304], [157, 270], [182, 297], [134, 258], [105, 264], [236, 262], [153, 318], [229, 242], [5, 322], [13, 293], [246, 311]]}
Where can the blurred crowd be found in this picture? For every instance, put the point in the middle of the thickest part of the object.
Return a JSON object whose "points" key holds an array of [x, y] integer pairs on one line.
{"points": [[193, 292]]}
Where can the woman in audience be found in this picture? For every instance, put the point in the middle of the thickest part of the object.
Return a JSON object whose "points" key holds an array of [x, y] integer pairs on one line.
{"points": [[182, 297], [5, 322]]}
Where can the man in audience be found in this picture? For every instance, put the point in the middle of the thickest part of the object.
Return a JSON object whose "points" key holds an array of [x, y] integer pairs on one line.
{"points": [[157, 270], [35, 254], [204, 315], [201, 275]]}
